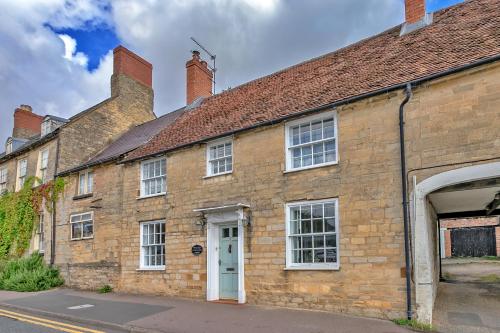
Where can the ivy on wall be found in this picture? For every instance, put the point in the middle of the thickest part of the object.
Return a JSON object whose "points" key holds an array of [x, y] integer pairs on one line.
{"points": [[19, 214]]}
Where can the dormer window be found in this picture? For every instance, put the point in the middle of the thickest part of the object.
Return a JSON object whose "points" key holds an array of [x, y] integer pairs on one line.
{"points": [[8, 146], [46, 127]]}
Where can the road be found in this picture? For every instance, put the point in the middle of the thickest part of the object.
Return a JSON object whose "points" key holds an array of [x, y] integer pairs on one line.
{"points": [[19, 322]]}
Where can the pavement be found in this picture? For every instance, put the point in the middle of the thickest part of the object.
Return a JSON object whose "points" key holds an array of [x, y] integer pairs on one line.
{"points": [[116, 312], [468, 301]]}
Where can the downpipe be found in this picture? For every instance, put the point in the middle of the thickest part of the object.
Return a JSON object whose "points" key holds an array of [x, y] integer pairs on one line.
{"points": [[406, 222]]}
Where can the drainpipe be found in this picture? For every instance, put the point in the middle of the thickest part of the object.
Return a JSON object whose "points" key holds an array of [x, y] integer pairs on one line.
{"points": [[406, 221], [53, 224]]}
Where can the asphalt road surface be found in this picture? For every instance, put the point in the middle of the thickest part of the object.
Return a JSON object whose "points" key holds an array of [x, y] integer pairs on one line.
{"points": [[8, 325]]}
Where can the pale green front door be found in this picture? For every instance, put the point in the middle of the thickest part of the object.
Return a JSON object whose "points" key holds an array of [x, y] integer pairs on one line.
{"points": [[228, 262]]}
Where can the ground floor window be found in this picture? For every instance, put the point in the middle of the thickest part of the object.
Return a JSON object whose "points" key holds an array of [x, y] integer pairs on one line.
{"points": [[153, 245], [82, 226], [312, 234], [41, 236]]}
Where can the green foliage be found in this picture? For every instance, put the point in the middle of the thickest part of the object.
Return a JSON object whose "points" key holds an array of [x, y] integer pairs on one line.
{"points": [[414, 325], [105, 289], [28, 274], [491, 278], [19, 213]]}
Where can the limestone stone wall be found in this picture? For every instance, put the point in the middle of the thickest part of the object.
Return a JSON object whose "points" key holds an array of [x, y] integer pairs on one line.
{"points": [[91, 131], [91, 263]]}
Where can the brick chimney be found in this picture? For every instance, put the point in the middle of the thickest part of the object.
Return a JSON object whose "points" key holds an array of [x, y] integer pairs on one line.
{"points": [[26, 123], [199, 79], [414, 10], [134, 67]]}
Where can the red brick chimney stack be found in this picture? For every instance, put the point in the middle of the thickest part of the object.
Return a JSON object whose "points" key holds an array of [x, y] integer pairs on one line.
{"points": [[199, 79], [130, 64], [414, 10], [26, 123]]}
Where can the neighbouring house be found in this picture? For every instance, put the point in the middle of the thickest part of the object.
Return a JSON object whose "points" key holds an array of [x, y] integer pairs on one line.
{"points": [[470, 237], [317, 187], [42, 146]]}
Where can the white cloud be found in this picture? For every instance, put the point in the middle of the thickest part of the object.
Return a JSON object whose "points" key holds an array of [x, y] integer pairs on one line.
{"points": [[251, 38]]}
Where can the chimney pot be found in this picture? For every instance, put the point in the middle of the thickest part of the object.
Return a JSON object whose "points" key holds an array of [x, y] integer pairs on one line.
{"points": [[199, 78], [26, 107], [414, 10]]}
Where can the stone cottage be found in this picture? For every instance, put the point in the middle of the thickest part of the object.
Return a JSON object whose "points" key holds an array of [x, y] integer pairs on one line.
{"points": [[316, 187]]}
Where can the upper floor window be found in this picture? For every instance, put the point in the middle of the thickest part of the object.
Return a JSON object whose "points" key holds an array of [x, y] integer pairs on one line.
{"points": [[153, 177], [3, 180], [22, 169], [46, 127], [153, 245], [82, 226], [43, 162], [220, 157], [8, 146], [85, 182], [312, 235], [312, 141]]}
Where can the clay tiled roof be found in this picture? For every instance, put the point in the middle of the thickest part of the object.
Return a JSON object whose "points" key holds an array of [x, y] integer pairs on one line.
{"points": [[459, 35]]}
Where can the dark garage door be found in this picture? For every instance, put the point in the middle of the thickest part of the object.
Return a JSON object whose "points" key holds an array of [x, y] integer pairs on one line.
{"points": [[473, 242]]}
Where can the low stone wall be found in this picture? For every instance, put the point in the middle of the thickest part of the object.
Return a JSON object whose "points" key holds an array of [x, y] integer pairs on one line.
{"points": [[90, 276]]}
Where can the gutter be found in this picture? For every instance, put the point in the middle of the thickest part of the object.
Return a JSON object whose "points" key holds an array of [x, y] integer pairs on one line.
{"points": [[349, 100], [404, 189]]}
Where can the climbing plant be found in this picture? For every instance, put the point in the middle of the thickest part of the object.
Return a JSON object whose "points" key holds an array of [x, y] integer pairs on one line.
{"points": [[19, 213]]}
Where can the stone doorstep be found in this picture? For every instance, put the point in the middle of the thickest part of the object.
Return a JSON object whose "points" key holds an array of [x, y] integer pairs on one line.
{"points": [[79, 320]]}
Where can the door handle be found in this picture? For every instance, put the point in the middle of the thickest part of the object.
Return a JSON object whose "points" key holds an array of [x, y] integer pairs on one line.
{"points": [[220, 262], [229, 248]]}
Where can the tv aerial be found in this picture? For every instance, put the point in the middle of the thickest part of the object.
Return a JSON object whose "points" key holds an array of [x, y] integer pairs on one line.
{"points": [[212, 57]]}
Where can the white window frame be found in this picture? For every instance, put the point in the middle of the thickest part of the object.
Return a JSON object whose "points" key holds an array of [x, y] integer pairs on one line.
{"points": [[8, 147], [310, 119], [143, 181], [41, 233], [88, 186], [42, 170], [212, 144], [142, 266], [4, 174], [81, 222], [23, 176], [311, 266]]}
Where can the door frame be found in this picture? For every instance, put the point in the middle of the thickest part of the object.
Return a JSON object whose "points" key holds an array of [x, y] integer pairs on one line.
{"points": [[215, 217]]}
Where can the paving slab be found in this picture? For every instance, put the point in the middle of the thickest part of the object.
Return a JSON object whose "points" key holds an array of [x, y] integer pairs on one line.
{"points": [[175, 315]]}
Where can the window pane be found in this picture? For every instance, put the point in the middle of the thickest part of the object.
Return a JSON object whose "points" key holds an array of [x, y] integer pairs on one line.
{"points": [[295, 135], [329, 210], [319, 255], [82, 184], [88, 229], [330, 225], [331, 255], [213, 151], [307, 242], [235, 232], [318, 225], [294, 227], [328, 129], [296, 256], [307, 256], [305, 212], [87, 216], [220, 151], [76, 230], [228, 149], [90, 182], [225, 232], [295, 241], [76, 218], [305, 133], [319, 241], [331, 241], [316, 131]]}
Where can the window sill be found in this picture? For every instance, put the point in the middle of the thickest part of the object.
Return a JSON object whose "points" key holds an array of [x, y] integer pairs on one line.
{"points": [[82, 239], [312, 167], [153, 269], [312, 268], [83, 196], [152, 196], [219, 174]]}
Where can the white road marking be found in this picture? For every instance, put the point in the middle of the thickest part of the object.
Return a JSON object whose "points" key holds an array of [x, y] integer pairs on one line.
{"points": [[83, 306]]}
